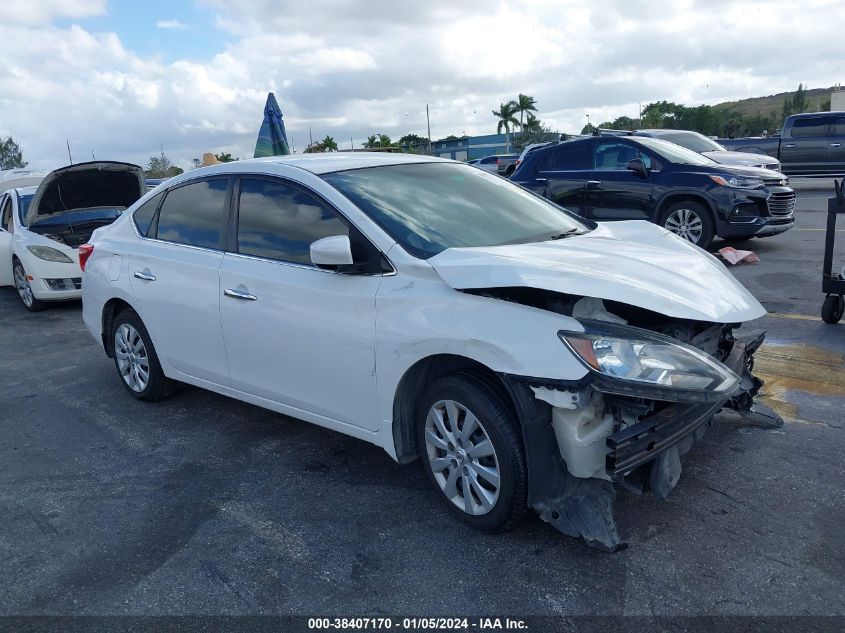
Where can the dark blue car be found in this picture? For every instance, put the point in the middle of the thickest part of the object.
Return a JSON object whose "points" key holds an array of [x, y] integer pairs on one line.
{"points": [[640, 178]]}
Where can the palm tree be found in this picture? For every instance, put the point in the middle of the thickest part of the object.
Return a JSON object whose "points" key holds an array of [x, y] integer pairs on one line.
{"points": [[532, 124], [507, 120], [524, 105], [329, 143], [384, 140], [372, 141]]}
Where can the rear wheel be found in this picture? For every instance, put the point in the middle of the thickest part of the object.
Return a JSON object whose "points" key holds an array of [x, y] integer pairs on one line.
{"points": [[136, 360], [833, 308], [691, 221], [24, 288], [472, 452]]}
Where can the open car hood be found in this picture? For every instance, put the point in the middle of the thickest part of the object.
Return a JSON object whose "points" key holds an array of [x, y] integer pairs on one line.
{"points": [[633, 262], [100, 184]]}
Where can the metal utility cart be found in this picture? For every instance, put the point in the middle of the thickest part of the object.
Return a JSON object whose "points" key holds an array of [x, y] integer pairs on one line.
{"points": [[833, 284]]}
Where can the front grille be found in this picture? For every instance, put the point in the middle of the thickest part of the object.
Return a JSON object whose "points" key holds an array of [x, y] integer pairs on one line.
{"points": [[781, 204]]}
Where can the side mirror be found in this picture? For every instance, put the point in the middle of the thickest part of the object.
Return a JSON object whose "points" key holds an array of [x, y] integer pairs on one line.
{"points": [[638, 167], [331, 252]]}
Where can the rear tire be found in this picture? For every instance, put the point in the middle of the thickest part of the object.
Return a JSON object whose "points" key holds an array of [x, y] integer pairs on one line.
{"points": [[833, 308], [24, 288], [472, 452], [691, 221], [136, 360]]}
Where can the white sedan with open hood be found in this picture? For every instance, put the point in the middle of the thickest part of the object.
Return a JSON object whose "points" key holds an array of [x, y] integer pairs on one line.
{"points": [[42, 227], [529, 358]]}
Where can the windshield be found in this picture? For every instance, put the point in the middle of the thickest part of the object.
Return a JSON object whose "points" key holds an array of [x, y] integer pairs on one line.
{"points": [[674, 153], [429, 207], [694, 141]]}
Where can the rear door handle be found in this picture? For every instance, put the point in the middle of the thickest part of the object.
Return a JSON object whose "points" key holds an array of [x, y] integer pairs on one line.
{"points": [[790, 146], [239, 294], [593, 183], [835, 144], [145, 276], [541, 179]]}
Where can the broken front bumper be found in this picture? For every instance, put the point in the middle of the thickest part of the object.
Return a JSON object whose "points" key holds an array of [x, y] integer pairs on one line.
{"points": [[644, 455]]}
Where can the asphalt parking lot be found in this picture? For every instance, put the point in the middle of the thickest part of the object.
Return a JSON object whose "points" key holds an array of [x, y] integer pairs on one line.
{"points": [[204, 505]]}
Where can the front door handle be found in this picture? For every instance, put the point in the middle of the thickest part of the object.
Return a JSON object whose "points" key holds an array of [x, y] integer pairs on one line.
{"points": [[541, 179], [834, 144], [145, 276], [239, 294], [790, 146], [593, 183]]}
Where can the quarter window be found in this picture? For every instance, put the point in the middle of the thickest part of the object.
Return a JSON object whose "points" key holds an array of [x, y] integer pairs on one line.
{"points": [[279, 221], [143, 216], [193, 214]]}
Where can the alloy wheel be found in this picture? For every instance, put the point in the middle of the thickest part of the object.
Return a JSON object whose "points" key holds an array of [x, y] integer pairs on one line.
{"points": [[462, 457], [133, 363], [685, 223], [23, 287]]}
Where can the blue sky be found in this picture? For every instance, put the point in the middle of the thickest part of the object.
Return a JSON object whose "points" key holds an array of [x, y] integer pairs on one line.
{"points": [[104, 75], [136, 22]]}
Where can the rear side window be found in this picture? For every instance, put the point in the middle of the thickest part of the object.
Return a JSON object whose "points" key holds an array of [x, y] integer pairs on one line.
{"points": [[566, 158], [279, 221], [193, 214], [810, 127], [144, 214]]}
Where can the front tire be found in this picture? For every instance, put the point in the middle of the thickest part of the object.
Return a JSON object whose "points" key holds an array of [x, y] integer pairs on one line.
{"points": [[472, 452], [136, 360], [833, 308], [691, 221], [24, 288]]}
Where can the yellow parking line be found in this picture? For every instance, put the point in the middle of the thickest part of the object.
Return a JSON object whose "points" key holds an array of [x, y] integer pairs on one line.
{"points": [[799, 317]]}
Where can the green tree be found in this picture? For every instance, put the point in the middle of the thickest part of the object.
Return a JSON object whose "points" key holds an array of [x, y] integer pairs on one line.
{"points": [[159, 166], [506, 119], [524, 105], [797, 103], [225, 157], [11, 156], [329, 143], [588, 129], [384, 140], [315, 148], [372, 141]]}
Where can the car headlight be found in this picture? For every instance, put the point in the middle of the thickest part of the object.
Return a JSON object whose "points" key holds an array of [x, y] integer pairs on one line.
{"points": [[737, 182], [632, 361], [49, 254]]}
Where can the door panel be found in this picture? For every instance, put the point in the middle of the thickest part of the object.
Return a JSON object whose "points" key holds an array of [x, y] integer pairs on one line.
{"points": [[181, 306], [808, 147], [620, 195], [836, 157], [306, 340], [568, 189]]}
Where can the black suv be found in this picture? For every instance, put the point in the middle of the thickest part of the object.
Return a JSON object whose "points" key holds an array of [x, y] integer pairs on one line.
{"points": [[628, 178]]}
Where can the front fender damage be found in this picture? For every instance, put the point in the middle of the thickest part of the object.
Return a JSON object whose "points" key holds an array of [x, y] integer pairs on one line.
{"points": [[642, 447]]}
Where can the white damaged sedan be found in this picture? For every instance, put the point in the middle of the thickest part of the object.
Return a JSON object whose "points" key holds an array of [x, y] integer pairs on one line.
{"points": [[42, 227], [531, 359]]}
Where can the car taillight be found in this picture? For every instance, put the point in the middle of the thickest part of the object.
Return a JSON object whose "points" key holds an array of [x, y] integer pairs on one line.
{"points": [[85, 251]]}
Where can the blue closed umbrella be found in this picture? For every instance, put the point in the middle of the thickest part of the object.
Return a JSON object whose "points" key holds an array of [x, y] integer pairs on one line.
{"points": [[272, 139]]}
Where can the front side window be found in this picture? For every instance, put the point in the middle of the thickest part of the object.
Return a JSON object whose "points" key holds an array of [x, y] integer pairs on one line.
{"points": [[193, 214], [280, 221], [615, 156], [429, 207]]}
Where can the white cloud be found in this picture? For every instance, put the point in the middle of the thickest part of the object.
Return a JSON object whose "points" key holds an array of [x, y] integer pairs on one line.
{"points": [[353, 69], [170, 25]]}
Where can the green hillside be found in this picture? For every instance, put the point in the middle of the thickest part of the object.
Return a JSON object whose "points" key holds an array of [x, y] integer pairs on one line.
{"points": [[817, 99]]}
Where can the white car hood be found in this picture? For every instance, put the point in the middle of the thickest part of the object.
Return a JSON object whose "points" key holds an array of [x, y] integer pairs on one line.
{"points": [[748, 159], [633, 262]]}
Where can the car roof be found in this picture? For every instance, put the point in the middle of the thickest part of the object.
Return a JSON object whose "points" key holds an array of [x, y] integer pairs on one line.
{"points": [[327, 162]]}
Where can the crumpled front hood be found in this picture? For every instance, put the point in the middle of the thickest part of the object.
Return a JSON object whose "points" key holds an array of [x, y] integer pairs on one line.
{"points": [[633, 262]]}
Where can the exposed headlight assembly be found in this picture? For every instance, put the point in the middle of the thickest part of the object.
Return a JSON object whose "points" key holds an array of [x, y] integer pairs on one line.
{"points": [[636, 362], [49, 254], [737, 182]]}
